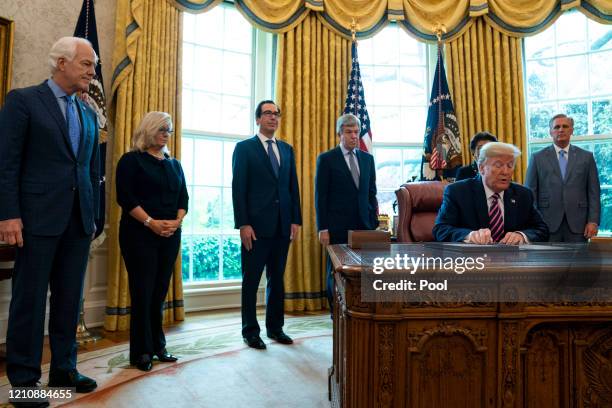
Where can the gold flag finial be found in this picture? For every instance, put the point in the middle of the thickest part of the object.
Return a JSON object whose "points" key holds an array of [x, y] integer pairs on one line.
{"points": [[354, 27], [439, 28]]}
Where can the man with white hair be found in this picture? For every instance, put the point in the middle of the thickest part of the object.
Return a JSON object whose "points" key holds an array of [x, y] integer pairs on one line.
{"points": [[49, 195], [490, 208]]}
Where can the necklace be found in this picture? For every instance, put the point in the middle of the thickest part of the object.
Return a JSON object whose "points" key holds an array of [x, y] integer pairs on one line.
{"points": [[158, 156]]}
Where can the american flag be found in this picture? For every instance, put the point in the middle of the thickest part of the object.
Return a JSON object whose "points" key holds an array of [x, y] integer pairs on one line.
{"points": [[442, 144], [355, 102]]}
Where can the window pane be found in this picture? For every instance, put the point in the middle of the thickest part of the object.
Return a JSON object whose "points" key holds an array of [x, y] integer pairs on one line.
{"points": [[386, 47], [237, 74], [600, 36], [189, 27], [188, 64], [386, 79], [209, 26], [539, 116], [606, 212], [187, 159], [387, 126], [208, 163], [206, 111], [185, 256], [187, 109], [603, 158], [237, 35], [601, 73], [388, 174], [579, 112], [541, 80], [207, 212], [228, 151], [231, 258], [385, 202], [602, 117], [413, 125], [205, 258], [228, 212], [413, 86], [412, 164], [571, 33], [541, 45], [209, 67], [236, 114], [572, 79]]}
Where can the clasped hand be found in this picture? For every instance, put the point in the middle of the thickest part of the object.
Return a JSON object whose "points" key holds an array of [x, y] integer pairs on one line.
{"points": [[483, 237], [164, 228]]}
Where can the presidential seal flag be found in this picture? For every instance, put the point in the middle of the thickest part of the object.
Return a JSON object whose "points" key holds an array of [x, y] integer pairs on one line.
{"points": [[355, 102], [86, 28], [442, 144]]}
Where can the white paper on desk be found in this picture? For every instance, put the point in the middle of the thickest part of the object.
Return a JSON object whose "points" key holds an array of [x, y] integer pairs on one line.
{"points": [[530, 247]]}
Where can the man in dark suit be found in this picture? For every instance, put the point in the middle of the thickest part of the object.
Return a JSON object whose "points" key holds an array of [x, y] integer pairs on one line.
{"points": [[266, 199], [471, 170], [345, 190], [565, 183], [490, 208], [49, 194]]}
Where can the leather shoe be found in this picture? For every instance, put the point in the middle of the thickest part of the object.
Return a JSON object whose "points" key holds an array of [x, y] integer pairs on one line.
{"points": [[40, 403], [166, 357], [280, 337], [144, 363], [72, 379], [255, 342]]}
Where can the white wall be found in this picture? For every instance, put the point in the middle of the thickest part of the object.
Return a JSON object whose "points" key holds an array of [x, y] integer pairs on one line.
{"points": [[38, 23]]}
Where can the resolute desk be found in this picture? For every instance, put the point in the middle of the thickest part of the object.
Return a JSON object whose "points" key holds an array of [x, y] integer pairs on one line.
{"points": [[486, 342]]}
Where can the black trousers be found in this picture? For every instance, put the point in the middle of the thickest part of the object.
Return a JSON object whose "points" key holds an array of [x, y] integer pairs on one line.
{"points": [[58, 262], [149, 260], [271, 253]]}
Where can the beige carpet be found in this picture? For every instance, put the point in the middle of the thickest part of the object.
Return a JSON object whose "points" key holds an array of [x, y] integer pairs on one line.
{"points": [[215, 370]]}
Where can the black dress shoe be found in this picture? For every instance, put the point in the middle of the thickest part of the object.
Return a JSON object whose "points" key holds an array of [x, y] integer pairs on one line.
{"points": [[39, 403], [255, 342], [144, 363], [166, 357], [72, 379], [280, 337]]}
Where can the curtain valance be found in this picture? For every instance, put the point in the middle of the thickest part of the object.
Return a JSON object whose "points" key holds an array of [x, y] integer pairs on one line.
{"points": [[516, 18]]}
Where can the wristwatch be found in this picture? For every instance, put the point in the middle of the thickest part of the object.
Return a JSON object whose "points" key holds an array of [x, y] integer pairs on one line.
{"points": [[148, 221]]}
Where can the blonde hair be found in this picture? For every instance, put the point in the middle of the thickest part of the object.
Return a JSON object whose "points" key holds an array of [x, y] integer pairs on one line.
{"points": [[144, 137], [496, 149]]}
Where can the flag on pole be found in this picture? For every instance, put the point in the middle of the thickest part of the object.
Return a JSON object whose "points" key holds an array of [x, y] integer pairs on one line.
{"points": [[442, 144], [86, 28], [355, 102]]}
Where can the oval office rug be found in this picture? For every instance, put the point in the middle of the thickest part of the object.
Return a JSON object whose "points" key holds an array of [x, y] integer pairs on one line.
{"points": [[215, 369]]}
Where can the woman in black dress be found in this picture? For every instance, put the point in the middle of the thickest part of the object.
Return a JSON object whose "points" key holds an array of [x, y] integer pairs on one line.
{"points": [[153, 197]]}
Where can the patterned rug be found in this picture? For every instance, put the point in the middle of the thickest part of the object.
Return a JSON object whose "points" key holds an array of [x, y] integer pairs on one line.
{"points": [[110, 366]]}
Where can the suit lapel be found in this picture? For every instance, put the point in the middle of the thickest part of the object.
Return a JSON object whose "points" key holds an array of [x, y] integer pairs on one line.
{"points": [[343, 166], [50, 102], [482, 209], [571, 161], [510, 209], [553, 161], [263, 154]]}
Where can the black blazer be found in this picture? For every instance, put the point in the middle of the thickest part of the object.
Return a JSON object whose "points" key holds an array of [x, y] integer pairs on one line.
{"points": [[464, 209], [467, 172], [339, 205], [260, 199], [39, 172]]}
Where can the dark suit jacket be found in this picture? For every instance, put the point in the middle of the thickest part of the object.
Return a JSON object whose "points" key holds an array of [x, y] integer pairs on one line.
{"points": [[464, 209], [466, 172], [259, 197], [339, 205], [39, 173], [577, 197]]}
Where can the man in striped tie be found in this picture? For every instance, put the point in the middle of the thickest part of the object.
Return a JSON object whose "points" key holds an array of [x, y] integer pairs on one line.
{"points": [[490, 208]]}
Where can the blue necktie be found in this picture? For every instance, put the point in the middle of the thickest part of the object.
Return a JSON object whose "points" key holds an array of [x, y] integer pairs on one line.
{"points": [[562, 163], [74, 128], [272, 156]]}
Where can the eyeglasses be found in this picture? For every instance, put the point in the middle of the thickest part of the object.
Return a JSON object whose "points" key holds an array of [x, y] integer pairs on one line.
{"points": [[270, 113], [166, 130]]}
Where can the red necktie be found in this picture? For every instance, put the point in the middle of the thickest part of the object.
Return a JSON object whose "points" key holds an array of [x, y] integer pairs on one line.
{"points": [[496, 221]]}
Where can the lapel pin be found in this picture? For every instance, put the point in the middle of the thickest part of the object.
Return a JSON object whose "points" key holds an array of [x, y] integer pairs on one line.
{"points": [[513, 201]]}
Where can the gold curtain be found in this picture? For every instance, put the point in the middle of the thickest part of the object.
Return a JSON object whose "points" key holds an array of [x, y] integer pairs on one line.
{"points": [[148, 38], [485, 74], [419, 17], [313, 66]]}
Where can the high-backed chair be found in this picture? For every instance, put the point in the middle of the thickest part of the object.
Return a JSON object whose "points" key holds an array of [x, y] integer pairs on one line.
{"points": [[418, 204]]}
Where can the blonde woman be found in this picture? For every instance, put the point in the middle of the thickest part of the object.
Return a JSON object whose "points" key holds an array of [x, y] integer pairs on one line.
{"points": [[153, 197]]}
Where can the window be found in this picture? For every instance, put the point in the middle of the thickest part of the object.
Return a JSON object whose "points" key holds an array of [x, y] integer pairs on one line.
{"points": [[222, 60], [567, 70], [396, 74]]}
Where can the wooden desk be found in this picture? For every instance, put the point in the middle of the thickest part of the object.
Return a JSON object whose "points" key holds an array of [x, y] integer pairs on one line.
{"points": [[468, 354]]}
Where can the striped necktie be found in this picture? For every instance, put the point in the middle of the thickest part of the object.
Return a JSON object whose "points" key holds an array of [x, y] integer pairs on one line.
{"points": [[496, 220]]}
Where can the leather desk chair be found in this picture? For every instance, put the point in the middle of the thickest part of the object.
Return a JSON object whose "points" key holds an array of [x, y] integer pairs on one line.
{"points": [[418, 204]]}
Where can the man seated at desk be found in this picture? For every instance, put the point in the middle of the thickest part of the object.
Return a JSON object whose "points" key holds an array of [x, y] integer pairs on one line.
{"points": [[490, 208]]}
